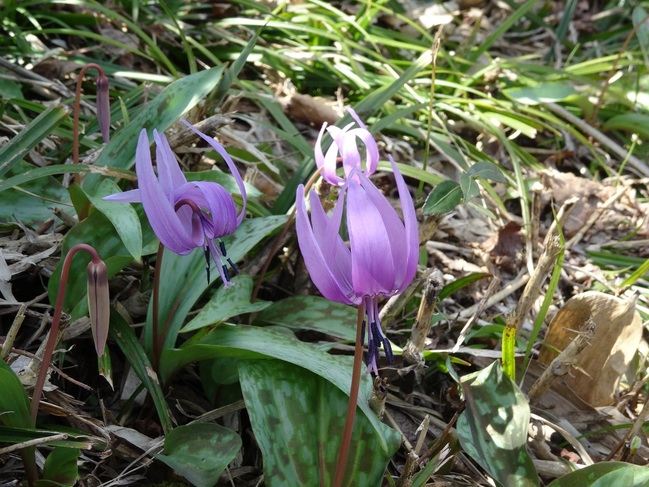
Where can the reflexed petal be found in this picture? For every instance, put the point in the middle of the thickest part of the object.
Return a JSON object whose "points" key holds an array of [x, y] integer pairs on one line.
{"points": [[372, 257], [169, 173], [331, 285], [411, 230], [371, 150], [228, 160], [132, 196], [328, 160], [159, 210], [223, 211], [355, 116]]}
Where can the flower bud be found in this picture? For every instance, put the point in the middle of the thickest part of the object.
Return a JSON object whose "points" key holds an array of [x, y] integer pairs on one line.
{"points": [[103, 106], [98, 303]]}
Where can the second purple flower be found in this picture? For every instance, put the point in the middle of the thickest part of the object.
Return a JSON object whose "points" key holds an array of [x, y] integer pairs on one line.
{"points": [[185, 215], [381, 259]]}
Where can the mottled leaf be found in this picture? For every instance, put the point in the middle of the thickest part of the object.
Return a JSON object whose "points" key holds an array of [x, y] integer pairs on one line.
{"points": [[256, 342], [200, 451], [312, 313], [493, 427], [226, 303], [60, 468], [605, 474], [298, 419], [186, 279]]}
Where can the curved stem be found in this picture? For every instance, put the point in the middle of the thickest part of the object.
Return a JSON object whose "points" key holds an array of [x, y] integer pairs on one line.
{"points": [[56, 322], [77, 109], [352, 404], [158, 341]]}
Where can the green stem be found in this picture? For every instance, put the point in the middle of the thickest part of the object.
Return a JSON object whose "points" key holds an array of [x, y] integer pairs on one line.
{"points": [[158, 340], [352, 404], [56, 322]]}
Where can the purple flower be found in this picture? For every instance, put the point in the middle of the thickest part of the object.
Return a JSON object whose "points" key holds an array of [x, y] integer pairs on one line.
{"points": [[185, 215], [344, 143], [381, 259]]}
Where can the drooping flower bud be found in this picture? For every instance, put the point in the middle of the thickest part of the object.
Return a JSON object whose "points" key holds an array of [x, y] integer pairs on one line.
{"points": [[98, 303], [103, 106]]}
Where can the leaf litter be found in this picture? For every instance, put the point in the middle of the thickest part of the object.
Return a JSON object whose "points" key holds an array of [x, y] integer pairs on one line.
{"points": [[574, 420]]}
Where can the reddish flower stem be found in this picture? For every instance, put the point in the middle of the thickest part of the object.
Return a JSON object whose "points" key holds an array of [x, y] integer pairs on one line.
{"points": [[77, 109], [352, 404], [56, 322]]}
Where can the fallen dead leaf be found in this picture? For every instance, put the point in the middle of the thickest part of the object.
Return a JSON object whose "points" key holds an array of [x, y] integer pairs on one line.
{"points": [[310, 110], [602, 364]]}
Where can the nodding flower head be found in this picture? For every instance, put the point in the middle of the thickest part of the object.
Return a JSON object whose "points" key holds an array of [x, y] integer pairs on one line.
{"points": [[185, 215], [381, 259], [98, 303], [345, 147]]}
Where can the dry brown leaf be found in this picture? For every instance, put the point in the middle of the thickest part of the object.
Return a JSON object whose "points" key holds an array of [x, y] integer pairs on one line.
{"points": [[310, 110], [600, 365]]}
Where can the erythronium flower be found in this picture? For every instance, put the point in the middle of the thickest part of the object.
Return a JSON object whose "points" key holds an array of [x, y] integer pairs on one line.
{"points": [[344, 146], [381, 259], [185, 215]]}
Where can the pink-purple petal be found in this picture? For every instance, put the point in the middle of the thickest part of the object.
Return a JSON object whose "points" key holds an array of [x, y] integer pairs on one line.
{"points": [[372, 258], [411, 229], [169, 173], [329, 284], [159, 210], [132, 196], [233, 168]]}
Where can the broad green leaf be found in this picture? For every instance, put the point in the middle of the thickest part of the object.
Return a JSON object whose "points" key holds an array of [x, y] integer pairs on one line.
{"points": [[34, 201], [486, 170], [469, 187], [443, 198], [516, 123], [493, 427], [60, 468], [10, 89], [14, 403], [226, 303], [461, 283], [256, 342], [312, 313], [200, 451], [636, 123], [605, 474], [25, 175], [639, 16], [18, 147], [136, 357], [541, 93], [165, 109], [298, 418], [123, 217], [185, 279], [630, 475]]}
